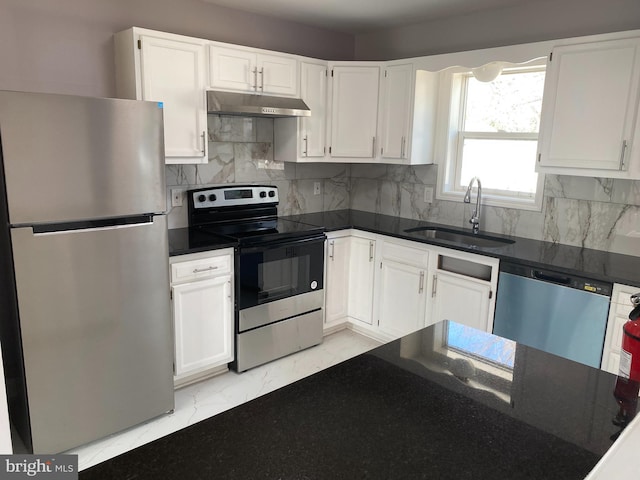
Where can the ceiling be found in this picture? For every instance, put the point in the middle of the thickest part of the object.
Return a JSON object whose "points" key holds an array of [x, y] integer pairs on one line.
{"points": [[359, 16]]}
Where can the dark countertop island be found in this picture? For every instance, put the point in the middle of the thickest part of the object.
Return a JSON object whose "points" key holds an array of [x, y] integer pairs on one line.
{"points": [[444, 402]]}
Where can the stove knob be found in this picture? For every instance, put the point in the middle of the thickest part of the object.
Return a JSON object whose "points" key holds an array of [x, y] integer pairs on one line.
{"points": [[263, 194], [201, 198], [212, 197], [272, 193]]}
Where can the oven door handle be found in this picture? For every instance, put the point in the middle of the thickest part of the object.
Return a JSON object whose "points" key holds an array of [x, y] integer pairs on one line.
{"points": [[295, 242]]}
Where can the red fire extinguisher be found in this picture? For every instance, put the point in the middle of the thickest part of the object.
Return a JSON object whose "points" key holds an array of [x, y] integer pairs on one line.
{"points": [[628, 382], [630, 354]]}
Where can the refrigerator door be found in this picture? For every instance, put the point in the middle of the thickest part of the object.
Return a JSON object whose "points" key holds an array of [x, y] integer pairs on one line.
{"points": [[96, 329], [75, 158]]}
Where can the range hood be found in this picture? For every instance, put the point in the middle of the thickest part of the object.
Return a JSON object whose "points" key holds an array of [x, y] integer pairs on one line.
{"points": [[255, 105]]}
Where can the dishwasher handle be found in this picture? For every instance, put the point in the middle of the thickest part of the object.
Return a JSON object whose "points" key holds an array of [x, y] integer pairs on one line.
{"points": [[562, 280]]}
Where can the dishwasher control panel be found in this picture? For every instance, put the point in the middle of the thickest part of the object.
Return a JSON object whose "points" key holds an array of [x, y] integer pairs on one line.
{"points": [[559, 278]]}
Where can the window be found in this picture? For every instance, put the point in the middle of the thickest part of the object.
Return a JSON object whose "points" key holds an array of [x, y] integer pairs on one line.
{"points": [[493, 134]]}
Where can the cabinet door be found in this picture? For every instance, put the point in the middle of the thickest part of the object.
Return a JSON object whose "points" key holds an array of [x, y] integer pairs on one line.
{"points": [[277, 74], [619, 310], [395, 112], [402, 298], [173, 73], [461, 299], [361, 277], [590, 102], [203, 320], [354, 111], [232, 69], [337, 280], [314, 93]]}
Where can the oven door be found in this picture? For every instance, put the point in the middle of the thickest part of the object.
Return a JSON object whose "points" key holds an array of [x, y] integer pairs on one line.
{"points": [[275, 270]]}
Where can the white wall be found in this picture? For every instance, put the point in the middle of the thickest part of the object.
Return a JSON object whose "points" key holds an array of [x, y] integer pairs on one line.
{"points": [[530, 21], [66, 46]]}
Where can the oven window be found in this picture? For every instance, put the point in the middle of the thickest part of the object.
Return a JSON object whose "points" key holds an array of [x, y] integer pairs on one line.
{"points": [[271, 274], [280, 278]]}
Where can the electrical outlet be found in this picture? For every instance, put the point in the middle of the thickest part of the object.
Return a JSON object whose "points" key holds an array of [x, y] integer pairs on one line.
{"points": [[316, 188], [176, 197], [428, 194]]}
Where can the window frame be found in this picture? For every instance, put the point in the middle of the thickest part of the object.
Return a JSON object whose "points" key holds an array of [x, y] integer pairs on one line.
{"points": [[451, 137]]}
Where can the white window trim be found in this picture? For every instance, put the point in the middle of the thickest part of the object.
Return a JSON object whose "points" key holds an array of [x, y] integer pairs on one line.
{"points": [[449, 141]]}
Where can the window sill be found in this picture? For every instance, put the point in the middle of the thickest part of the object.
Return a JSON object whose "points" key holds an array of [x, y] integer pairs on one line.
{"points": [[520, 203]]}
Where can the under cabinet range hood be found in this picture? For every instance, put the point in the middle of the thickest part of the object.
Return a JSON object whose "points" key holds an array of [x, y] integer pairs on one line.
{"points": [[255, 105]]}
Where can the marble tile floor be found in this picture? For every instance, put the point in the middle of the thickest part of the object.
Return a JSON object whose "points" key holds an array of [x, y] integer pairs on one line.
{"points": [[208, 398]]}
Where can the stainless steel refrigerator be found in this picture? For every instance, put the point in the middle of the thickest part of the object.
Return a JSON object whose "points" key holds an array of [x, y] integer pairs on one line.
{"points": [[85, 322]]}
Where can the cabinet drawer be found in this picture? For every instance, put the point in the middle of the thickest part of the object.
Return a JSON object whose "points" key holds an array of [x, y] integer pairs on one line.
{"points": [[404, 254], [201, 268]]}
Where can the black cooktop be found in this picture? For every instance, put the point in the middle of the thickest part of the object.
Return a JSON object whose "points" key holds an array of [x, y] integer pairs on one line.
{"points": [[247, 214], [433, 404], [262, 230]]}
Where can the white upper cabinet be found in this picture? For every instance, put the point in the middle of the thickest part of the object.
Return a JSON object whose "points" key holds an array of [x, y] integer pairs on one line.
{"points": [[304, 139], [354, 111], [589, 109], [247, 70], [395, 109], [313, 129], [170, 69]]}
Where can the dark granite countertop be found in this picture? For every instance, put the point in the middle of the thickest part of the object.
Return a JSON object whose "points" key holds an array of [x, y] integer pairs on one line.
{"points": [[190, 240], [595, 264], [444, 402]]}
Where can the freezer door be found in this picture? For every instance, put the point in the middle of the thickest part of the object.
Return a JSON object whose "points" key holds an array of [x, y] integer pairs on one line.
{"points": [[76, 158], [96, 330]]}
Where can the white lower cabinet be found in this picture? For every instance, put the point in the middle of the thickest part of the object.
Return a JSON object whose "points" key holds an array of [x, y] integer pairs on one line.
{"points": [[463, 289], [202, 297], [386, 287], [461, 299], [361, 278], [336, 282], [618, 315], [402, 297]]}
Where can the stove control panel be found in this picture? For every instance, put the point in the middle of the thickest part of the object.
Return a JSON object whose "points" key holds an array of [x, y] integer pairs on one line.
{"points": [[234, 196]]}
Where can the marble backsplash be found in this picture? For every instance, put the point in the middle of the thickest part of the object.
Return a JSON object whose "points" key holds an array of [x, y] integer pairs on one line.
{"points": [[587, 212], [241, 151]]}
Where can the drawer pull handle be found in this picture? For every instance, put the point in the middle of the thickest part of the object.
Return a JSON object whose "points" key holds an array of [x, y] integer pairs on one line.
{"points": [[200, 270]]}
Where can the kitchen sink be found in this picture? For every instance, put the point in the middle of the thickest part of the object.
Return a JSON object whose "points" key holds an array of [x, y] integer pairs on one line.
{"points": [[460, 237]]}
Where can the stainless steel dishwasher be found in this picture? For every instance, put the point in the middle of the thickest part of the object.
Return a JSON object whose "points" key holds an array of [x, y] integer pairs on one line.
{"points": [[561, 314]]}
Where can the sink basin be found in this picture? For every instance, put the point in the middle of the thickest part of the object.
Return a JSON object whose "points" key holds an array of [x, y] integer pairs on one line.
{"points": [[461, 237]]}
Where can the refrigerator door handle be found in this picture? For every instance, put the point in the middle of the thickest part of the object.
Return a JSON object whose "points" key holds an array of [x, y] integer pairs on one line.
{"points": [[92, 226]]}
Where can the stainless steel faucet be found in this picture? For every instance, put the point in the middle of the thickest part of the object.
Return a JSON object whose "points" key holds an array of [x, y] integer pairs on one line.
{"points": [[475, 217]]}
